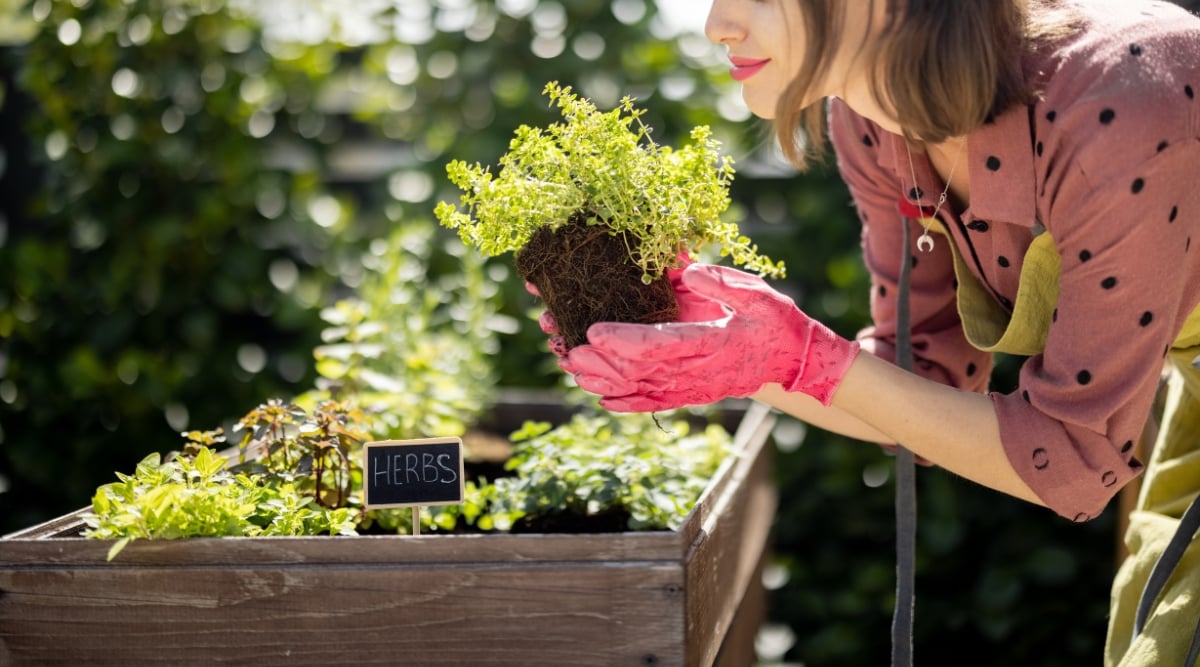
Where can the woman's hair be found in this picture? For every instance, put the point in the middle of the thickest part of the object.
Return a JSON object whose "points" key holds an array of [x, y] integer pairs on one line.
{"points": [[942, 67]]}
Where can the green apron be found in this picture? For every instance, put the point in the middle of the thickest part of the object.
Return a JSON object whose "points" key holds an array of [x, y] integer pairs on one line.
{"points": [[1172, 477]]}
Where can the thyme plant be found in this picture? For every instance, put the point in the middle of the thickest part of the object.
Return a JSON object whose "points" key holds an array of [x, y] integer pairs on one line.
{"points": [[604, 166]]}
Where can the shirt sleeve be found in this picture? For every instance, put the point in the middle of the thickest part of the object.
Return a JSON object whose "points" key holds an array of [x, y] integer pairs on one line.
{"points": [[1118, 153], [940, 350], [1127, 282]]}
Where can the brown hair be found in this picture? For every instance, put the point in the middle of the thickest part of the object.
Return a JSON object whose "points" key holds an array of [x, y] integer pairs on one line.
{"points": [[943, 67]]}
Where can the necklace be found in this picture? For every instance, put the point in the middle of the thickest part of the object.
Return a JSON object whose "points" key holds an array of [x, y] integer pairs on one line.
{"points": [[925, 242]]}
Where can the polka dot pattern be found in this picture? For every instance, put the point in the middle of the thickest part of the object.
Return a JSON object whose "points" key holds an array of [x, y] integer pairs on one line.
{"points": [[1098, 166]]}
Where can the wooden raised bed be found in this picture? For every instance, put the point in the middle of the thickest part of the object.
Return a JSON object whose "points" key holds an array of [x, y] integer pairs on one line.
{"points": [[686, 597]]}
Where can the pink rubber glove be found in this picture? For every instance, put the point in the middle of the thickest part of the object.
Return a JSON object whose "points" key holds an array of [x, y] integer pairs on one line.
{"points": [[761, 337], [692, 307], [558, 344]]}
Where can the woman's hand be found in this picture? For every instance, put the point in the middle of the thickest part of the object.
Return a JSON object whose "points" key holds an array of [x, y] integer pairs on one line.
{"points": [[752, 335]]}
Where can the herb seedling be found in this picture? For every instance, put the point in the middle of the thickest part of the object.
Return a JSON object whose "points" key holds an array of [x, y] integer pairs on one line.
{"points": [[561, 190]]}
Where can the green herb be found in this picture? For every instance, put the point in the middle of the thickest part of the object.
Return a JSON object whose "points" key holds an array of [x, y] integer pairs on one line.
{"points": [[605, 164], [593, 464], [199, 497], [301, 475]]}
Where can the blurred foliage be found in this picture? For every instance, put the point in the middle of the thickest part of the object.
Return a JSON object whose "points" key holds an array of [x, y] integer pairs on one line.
{"points": [[997, 579], [413, 348], [159, 271], [186, 185]]}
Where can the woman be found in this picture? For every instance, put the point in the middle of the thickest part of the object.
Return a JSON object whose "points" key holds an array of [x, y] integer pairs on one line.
{"points": [[1045, 158]]}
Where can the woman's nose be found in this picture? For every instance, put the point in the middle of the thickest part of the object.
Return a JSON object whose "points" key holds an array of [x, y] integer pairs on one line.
{"points": [[720, 27]]}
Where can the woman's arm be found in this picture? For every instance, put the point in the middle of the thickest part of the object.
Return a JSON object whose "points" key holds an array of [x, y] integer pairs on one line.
{"points": [[809, 410], [956, 429], [879, 402]]}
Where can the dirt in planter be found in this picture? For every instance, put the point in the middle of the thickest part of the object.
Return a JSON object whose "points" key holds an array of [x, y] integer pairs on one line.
{"points": [[612, 520], [584, 275]]}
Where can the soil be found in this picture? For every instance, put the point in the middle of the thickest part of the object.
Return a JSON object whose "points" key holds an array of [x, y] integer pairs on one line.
{"points": [[612, 520], [584, 275]]}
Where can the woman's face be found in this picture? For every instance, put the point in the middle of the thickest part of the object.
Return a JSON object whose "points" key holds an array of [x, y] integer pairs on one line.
{"points": [[766, 41]]}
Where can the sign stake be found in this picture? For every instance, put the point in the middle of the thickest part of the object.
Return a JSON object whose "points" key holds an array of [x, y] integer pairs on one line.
{"points": [[416, 520]]}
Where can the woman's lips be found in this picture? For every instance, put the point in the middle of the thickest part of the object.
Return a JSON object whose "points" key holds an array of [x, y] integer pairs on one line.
{"points": [[744, 68]]}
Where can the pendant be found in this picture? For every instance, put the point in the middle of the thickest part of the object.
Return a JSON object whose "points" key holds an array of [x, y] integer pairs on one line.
{"points": [[925, 242]]}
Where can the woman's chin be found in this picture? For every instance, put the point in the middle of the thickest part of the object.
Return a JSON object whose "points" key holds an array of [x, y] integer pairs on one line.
{"points": [[759, 110]]}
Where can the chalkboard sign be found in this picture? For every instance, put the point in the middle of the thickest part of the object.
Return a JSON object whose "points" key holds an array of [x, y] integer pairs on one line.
{"points": [[412, 473]]}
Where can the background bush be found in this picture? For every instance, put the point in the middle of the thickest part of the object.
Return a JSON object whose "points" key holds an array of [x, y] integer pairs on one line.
{"points": [[184, 186]]}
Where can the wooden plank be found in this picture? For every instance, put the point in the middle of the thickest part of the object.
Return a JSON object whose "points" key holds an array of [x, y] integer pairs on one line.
{"points": [[748, 439], [738, 649], [726, 554], [663, 546], [67, 525], [588, 614]]}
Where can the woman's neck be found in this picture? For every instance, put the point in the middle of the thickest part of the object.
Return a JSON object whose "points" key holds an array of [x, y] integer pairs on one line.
{"points": [[948, 159]]}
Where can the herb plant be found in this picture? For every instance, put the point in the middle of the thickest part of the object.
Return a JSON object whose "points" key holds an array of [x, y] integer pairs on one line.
{"points": [[199, 497], [604, 167], [600, 463], [299, 474]]}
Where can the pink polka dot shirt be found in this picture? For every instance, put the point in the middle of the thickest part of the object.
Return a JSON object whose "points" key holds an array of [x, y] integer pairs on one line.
{"points": [[1107, 161]]}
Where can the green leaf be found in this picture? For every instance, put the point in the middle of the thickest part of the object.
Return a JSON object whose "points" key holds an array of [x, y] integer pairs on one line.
{"points": [[118, 547]]}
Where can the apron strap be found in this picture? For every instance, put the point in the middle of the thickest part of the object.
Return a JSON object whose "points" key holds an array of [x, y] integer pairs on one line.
{"points": [[1167, 562], [906, 493], [1194, 649]]}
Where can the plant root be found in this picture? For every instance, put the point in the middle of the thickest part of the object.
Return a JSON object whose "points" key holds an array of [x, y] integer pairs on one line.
{"points": [[585, 275]]}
